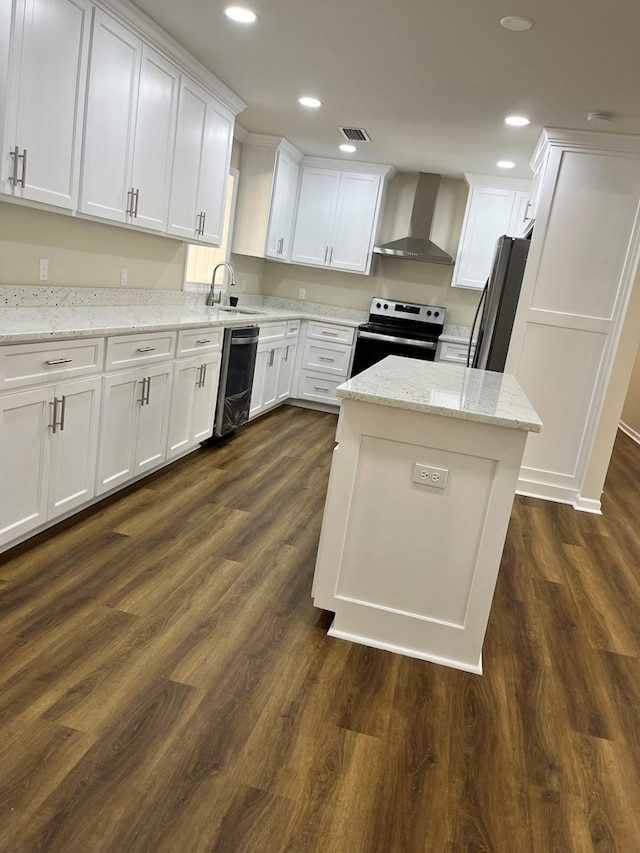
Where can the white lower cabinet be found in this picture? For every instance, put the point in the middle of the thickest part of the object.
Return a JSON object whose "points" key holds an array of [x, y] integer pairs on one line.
{"points": [[327, 353], [135, 418], [48, 449], [453, 352], [193, 402], [264, 393], [287, 370]]}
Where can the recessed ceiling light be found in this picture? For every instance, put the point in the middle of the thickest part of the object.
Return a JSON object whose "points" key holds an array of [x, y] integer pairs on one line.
{"points": [[516, 23], [505, 164], [240, 14], [348, 148], [517, 121], [306, 101], [599, 119]]}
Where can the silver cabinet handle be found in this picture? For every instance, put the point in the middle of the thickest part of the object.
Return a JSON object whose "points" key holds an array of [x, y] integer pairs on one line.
{"points": [[329, 334], [272, 353], [200, 220], [129, 203], [331, 255], [58, 424], [203, 377], [202, 343], [199, 376], [148, 390], [326, 252], [325, 358], [144, 388], [13, 180], [318, 388], [286, 353], [146, 349], [280, 245], [53, 361], [526, 211], [136, 199], [24, 168]]}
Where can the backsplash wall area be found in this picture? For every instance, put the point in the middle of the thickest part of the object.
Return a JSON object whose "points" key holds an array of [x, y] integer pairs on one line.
{"points": [[83, 253]]}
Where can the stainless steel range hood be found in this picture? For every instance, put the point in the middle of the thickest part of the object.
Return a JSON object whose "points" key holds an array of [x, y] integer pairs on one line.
{"points": [[418, 246]]}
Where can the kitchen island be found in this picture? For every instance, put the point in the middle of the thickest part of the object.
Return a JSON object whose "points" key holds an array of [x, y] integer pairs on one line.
{"points": [[418, 504]]}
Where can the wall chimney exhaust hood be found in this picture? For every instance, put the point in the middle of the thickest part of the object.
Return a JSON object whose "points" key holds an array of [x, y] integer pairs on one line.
{"points": [[417, 246]]}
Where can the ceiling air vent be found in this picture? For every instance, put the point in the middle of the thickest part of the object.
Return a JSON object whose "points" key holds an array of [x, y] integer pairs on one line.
{"points": [[355, 134]]}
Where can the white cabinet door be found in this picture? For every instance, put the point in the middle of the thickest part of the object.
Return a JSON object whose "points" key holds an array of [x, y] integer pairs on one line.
{"points": [[46, 94], [272, 374], [214, 172], [259, 378], [153, 418], [155, 130], [519, 214], [193, 402], [24, 461], [205, 398], [283, 208], [316, 212], [121, 397], [201, 165], [352, 238], [74, 445], [111, 111], [287, 366]]}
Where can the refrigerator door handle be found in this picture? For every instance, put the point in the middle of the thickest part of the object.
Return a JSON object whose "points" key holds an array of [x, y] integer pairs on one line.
{"points": [[483, 296]]}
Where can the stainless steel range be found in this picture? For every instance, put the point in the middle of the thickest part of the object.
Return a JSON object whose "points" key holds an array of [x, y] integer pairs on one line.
{"points": [[398, 328]]}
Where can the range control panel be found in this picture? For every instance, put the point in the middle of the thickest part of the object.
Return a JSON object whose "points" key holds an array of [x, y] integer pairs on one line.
{"points": [[392, 310]]}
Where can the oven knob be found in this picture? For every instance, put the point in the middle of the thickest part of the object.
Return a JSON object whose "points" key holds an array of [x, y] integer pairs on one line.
{"points": [[428, 313], [386, 306], [436, 313], [377, 304]]}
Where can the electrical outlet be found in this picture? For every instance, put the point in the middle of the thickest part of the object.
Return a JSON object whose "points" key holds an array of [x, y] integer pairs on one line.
{"points": [[302, 293], [429, 475], [124, 276], [43, 274]]}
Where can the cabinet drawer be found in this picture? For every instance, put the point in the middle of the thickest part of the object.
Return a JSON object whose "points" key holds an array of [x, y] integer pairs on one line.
{"points": [[199, 340], [330, 359], [272, 331], [293, 327], [320, 388], [129, 350], [329, 332], [453, 352], [37, 363]]}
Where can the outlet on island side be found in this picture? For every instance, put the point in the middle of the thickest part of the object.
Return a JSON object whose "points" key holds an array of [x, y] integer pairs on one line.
{"points": [[302, 293], [429, 475], [43, 270]]}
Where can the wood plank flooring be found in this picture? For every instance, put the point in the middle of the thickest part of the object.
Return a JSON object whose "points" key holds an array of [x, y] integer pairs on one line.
{"points": [[167, 686]]}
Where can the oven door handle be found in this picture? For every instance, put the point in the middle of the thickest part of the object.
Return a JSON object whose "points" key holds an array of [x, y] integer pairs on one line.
{"points": [[373, 336]]}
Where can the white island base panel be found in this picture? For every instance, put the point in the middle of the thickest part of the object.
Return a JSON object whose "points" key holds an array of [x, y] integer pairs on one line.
{"points": [[410, 567]]}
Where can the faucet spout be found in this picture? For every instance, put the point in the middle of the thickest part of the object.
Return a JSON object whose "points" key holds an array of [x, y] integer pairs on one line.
{"points": [[211, 298]]}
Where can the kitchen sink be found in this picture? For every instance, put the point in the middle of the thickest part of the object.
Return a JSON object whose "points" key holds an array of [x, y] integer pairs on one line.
{"points": [[230, 309]]}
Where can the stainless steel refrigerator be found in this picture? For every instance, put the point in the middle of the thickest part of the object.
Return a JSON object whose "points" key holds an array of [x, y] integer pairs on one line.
{"points": [[498, 304]]}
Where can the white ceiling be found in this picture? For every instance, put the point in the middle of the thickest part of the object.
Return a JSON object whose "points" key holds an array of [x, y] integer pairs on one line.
{"points": [[430, 80]]}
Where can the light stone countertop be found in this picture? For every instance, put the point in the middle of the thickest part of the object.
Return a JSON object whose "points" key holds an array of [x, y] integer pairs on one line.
{"points": [[453, 334], [444, 389], [46, 322]]}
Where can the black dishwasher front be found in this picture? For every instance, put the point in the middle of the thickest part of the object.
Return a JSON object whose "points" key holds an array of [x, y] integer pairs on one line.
{"points": [[239, 349]]}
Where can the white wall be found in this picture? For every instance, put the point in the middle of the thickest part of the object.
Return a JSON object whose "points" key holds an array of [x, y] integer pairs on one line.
{"points": [[83, 253]]}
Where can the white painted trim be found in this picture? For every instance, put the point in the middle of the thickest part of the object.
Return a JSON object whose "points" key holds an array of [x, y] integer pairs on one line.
{"points": [[350, 166], [401, 650], [279, 143], [498, 182], [588, 505], [240, 133], [626, 429]]}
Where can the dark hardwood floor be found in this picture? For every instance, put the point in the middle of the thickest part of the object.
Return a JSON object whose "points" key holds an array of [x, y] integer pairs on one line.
{"points": [[167, 685]]}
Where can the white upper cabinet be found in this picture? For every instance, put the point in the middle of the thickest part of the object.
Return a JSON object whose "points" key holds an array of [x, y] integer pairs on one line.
{"points": [[267, 195], [130, 129], [337, 218], [45, 101], [494, 207], [201, 166]]}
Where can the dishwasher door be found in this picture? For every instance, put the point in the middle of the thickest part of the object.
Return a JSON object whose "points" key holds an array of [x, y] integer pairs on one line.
{"points": [[236, 379]]}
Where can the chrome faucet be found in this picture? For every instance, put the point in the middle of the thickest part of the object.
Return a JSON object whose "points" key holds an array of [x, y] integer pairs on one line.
{"points": [[211, 298]]}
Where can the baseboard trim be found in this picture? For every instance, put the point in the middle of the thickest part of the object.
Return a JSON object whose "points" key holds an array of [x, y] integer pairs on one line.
{"points": [[626, 429]]}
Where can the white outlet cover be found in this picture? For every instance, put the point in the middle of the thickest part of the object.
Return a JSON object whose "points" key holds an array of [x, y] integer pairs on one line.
{"points": [[429, 475]]}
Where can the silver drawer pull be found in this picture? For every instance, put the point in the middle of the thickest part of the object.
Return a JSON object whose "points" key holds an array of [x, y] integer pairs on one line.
{"points": [[330, 334], [318, 388], [146, 349], [201, 343], [53, 361], [325, 358]]}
